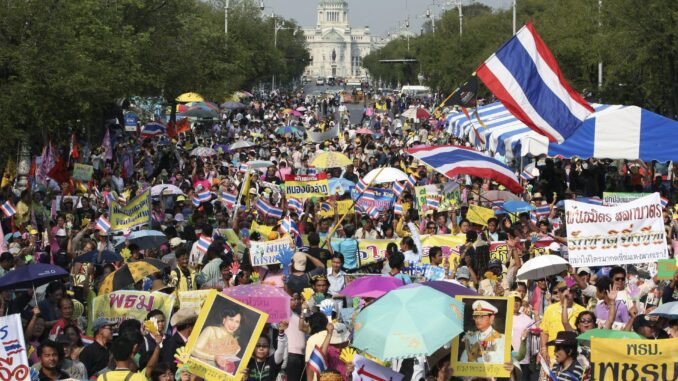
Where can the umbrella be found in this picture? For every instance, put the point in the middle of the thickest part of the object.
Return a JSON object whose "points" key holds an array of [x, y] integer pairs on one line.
{"points": [[287, 130], [400, 324], [272, 300], [422, 113], [296, 113], [129, 274], [189, 97], [541, 267], [371, 286], [517, 206], [243, 94], [331, 160], [301, 109], [449, 288], [667, 310], [414, 113], [165, 189], [230, 105], [241, 144], [287, 111], [259, 164], [199, 112], [608, 334], [339, 185], [145, 239], [203, 151], [205, 106], [107, 256], [498, 195], [32, 275], [364, 131], [386, 175]]}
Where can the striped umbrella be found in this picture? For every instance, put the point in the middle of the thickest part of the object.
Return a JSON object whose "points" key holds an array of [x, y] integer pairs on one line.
{"points": [[129, 274]]}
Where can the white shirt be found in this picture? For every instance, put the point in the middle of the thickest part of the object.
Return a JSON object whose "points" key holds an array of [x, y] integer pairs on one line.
{"points": [[337, 282]]}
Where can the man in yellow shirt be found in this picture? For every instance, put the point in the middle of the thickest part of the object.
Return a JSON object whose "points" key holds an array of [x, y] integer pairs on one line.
{"points": [[552, 322]]}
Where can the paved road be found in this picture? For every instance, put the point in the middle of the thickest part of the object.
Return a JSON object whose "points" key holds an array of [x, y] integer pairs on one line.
{"points": [[355, 109]]}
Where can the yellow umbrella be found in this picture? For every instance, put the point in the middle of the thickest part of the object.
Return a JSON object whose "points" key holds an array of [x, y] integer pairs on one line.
{"points": [[190, 97], [287, 111], [331, 160], [129, 274]]}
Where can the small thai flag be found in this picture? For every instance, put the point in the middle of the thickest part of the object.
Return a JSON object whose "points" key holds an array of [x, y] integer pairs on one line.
{"points": [[411, 181], [317, 363], [325, 207], [361, 186], [110, 197], [229, 199], [103, 224], [268, 209], [289, 226], [204, 243], [398, 188], [534, 218], [398, 209], [196, 201], [8, 209], [544, 210], [432, 203], [373, 212], [205, 196], [526, 175], [295, 204], [153, 129], [664, 201], [243, 168]]}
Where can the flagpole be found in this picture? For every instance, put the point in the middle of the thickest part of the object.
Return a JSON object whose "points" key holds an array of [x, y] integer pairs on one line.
{"points": [[237, 204]]}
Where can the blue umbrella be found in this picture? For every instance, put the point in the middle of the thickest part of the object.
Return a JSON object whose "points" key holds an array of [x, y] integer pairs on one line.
{"points": [[517, 206], [145, 239], [35, 274], [107, 256], [344, 185]]}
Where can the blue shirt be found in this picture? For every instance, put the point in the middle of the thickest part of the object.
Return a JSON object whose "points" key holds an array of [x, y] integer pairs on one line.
{"points": [[349, 249]]}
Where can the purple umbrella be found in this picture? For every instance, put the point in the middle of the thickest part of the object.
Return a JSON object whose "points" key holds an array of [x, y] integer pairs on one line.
{"points": [[450, 288], [373, 286], [32, 275]]}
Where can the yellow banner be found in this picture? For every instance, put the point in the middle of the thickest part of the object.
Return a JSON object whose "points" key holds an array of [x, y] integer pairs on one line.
{"points": [[634, 359], [304, 186], [479, 215], [193, 299], [123, 305], [373, 250], [136, 213], [344, 207], [262, 229]]}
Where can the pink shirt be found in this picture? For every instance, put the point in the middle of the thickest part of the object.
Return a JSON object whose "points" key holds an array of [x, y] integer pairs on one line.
{"points": [[520, 323], [296, 339]]}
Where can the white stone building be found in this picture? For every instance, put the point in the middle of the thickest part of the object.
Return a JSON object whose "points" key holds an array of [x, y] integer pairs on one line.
{"points": [[336, 49]]}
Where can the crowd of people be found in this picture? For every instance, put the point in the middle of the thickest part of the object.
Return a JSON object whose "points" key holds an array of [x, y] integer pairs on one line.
{"points": [[56, 222]]}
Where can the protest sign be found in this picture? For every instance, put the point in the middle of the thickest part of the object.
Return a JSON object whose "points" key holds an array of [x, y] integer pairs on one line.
{"points": [[343, 206], [479, 215], [267, 298], [617, 198], [13, 353], [382, 198], [123, 305], [448, 192], [368, 370], [373, 250], [666, 268], [307, 186], [624, 234], [136, 213], [213, 351], [193, 299], [82, 172], [319, 137], [262, 229], [265, 253], [634, 359]]}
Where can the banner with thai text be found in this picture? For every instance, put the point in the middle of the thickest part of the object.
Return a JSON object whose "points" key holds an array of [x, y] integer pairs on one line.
{"points": [[380, 198], [373, 250], [500, 250], [343, 207], [123, 305], [617, 198], [307, 186], [265, 253], [634, 359], [13, 353], [624, 234], [136, 213]]}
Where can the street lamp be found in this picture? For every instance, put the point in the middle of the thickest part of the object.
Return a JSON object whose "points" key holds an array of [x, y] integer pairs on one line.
{"points": [[276, 28], [431, 16], [261, 5]]}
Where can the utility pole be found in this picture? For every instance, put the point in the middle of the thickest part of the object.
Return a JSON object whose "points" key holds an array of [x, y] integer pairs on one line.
{"points": [[600, 63], [514, 17], [226, 5], [461, 18]]}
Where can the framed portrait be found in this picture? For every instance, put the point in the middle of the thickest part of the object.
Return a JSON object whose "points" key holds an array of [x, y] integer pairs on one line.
{"points": [[223, 338], [485, 345]]}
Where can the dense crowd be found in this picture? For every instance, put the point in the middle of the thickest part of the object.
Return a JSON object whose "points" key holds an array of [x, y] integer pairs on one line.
{"points": [[56, 223]]}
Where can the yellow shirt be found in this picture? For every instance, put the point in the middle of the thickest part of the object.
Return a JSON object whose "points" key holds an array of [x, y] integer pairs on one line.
{"points": [[552, 323], [121, 375]]}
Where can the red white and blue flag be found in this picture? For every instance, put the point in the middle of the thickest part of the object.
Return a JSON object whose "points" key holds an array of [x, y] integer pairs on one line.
{"points": [[524, 75], [242, 168], [543, 210], [196, 201], [103, 224], [229, 199], [204, 244], [526, 175], [664, 201], [268, 209], [373, 212], [432, 202], [289, 226], [325, 207], [411, 181], [398, 188], [361, 186], [398, 209], [153, 129], [455, 160], [110, 197], [295, 204], [369, 195], [204, 196], [317, 363], [8, 209]]}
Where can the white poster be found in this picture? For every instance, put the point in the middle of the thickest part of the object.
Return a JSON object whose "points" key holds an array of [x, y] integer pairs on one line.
{"points": [[13, 359], [367, 370], [624, 234]]}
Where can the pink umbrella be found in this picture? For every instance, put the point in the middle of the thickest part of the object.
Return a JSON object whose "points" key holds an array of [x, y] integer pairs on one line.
{"points": [[372, 286], [369, 111], [272, 300], [296, 113], [422, 113], [365, 131]]}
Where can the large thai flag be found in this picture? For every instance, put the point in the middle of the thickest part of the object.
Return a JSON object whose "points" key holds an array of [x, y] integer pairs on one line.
{"points": [[153, 129], [454, 160], [268, 209], [524, 75]]}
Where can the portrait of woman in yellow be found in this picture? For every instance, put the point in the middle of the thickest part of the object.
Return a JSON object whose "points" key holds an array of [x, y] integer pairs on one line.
{"points": [[218, 345]]}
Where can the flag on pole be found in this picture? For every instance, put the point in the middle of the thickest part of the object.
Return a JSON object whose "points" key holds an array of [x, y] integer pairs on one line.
{"points": [[664, 201], [205, 196], [369, 195], [524, 75], [8, 208], [242, 168], [373, 212], [289, 226], [268, 209], [204, 244], [411, 181], [317, 363], [526, 175], [432, 202], [229, 199], [398, 209], [103, 224], [325, 207], [543, 210], [398, 188], [295, 204], [361, 186]]}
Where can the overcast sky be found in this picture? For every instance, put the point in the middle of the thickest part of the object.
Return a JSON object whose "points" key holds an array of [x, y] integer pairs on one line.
{"points": [[382, 16]]}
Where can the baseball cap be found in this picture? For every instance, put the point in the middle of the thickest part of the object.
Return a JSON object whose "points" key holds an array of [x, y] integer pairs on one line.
{"points": [[584, 270], [101, 323], [463, 273], [299, 261]]}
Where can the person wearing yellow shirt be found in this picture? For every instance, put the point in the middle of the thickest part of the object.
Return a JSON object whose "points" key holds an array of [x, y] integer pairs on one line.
{"points": [[552, 322]]}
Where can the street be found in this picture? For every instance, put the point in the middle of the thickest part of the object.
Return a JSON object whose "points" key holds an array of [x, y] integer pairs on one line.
{"points": [[355, 109]]}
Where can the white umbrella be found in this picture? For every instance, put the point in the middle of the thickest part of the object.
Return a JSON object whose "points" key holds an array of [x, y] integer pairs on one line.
{"points": [[387, 175], [541, 267], [498, 195], [410, 113], [165, 189], [667, 310], [241, 144], [301, 109], [203, 151], [256, 164]]}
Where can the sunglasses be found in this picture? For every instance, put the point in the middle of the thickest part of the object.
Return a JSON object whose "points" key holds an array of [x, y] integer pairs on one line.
{"points": [[586, 321], [618, 279], [262, 346]]}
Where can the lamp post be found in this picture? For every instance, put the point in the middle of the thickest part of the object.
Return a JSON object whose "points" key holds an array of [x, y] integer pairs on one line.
{"points": [[276, 28], [514, 17], [226, 6]]}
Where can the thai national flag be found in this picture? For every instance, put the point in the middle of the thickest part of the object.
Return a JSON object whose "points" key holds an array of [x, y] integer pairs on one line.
{"points": [[204, 243], [373, 212], [398, 209], [295, 204], [243, 168], [325, 207], [524, 75], [432, 202], [229, 199], [196, 201], [398, 188], [289, 226], [103, 224], [204, 196], [268, 209], [153, 129], [317, 363], [411, 181], [8, 209], [110, 197], [455, 160], [664, 201], [369, 195], [526, 175], [543, 210], [534, 218], [361, 186], [590, 200]]}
